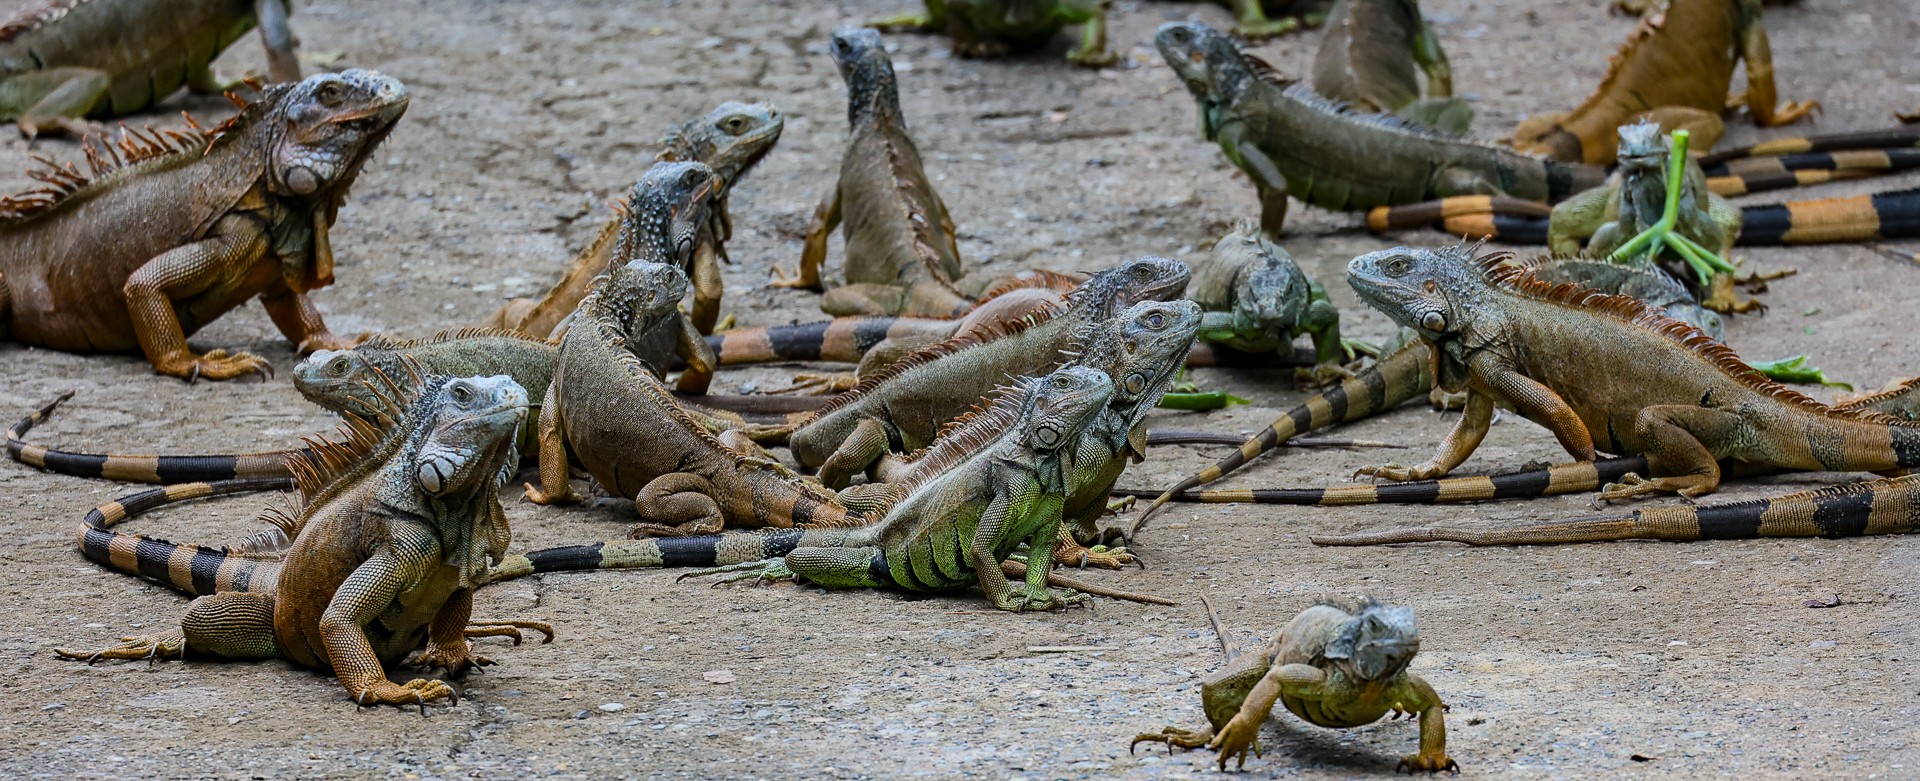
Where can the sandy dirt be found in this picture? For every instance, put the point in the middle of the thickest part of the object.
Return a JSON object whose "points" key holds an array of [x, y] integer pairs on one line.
{"points": [[1626, 659]]}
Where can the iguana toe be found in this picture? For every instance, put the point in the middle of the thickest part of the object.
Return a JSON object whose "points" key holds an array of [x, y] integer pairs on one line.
{"points": [[217, 365], [418, 691], [1431, 763], [798, 281], [149, 647], [818, 384], [455, 661], [543, 498], [1173, 736], [509, 628]]}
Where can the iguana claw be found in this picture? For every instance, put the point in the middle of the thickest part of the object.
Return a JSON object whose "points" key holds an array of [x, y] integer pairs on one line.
{"points": [[764, 570], [149, 647], [1173, 736], [509, 628], [1431, 764]]}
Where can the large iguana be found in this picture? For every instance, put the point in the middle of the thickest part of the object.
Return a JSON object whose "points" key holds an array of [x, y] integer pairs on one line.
{"points": [[902, 408], [1291, 141], [948, 532], [1674, 69], [205, 223], [901, 255], [67, 59], [1335, 665], [993, 28], [375, 569], [731, 139], [1667, 390], [1367, 57]]}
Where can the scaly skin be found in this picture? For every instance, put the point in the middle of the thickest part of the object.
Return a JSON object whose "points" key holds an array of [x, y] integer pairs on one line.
{"points": [[1668, 392], [947, 533], [901, 255], [1367, 58], [69, 59], [993, 28], [1258, 300], [395, 530], [1290, 140], [1674, 69], [731, 139], [1254, 19], [197, 228], [1334, 665]]}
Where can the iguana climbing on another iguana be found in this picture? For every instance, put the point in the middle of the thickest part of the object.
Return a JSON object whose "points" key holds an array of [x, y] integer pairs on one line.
{"points": [[206, 222], [375, 569], [1367, 57], [65, 60], [1337, 665], [1674, 69], [1289, 140], [901, 255], [994, 28], [731, 139]]}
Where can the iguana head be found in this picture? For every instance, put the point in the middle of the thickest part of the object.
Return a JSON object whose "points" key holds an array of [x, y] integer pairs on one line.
{"points": [[1643, 148], [641, 295], [1274, 294], [730, 139], [1436, 292], [1142, 348], [1059, 406], [1377, 644], [665, 212], [1184, 46], [460, 449], [348, 382], [1149, 278], [326, 125], [863, 62]]}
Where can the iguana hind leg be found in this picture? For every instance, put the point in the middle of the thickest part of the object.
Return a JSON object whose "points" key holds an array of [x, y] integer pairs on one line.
{"points": [[1673, 437], [862, 447], [231, 625], [55, 100], [1757, 53], [676, 505], [813, 253], [863, 299]]}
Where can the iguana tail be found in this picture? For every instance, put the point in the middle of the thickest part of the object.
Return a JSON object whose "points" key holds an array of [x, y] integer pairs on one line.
{"points": [[1555, 480], [143, 468], [1878, 507], [1887, 215], [840, 340], [197, 570], [1759, 174], [1889, 138], [704, 550]]}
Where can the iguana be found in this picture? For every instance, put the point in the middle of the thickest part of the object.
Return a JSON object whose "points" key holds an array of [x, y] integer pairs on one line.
{"points": [[1668, 391], [209, 221], [1337, 665], [947, 533], [1254, 19], [902, 408], [63, 60], [1890, 506], [1674, 69], [731, 139], [1291, 141], [375, 568], [994, 28], [1257, 300], [1367, 57], [901, 255], [604, 402]]}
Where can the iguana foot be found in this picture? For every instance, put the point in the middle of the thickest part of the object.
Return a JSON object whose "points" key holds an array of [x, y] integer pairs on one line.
{"points": [[1393, 472], [763, 571], [726, 324], [418, 691], [1431, 763], [455, 661], [818, 384], [79, 129], [799, 281], [543, 498], [215, 365], [149, 647], [1023, 598], [327, 341], [1173, 736], [1097, 556], [1322, 374], [508, 628], [1242, 734], [1092, 58], [1632, 485], [1721, 298]]}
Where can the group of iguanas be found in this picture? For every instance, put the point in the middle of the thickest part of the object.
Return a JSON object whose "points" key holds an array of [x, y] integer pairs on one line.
{"points": [[989, 419]]}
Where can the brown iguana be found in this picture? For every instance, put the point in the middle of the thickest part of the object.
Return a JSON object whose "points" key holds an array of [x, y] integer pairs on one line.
{"points": [[67, 59], [1289, 140], [208, 221], [376, 567], [993, 28], [1367, 57], [731, 139], [901, 255], [1668, 391], [1336, 665], [1674, 69], [902, 408]]}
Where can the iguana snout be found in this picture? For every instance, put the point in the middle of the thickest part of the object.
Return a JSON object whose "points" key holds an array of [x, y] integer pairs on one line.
{"points": [[1150, 278], [1063, 402], [472, 437], [1410, 286], [731, 138], [333, 120], [1183, 46]]}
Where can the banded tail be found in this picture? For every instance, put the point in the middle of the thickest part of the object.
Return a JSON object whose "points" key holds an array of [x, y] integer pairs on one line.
{"points": [[1888, 215], [272, 464], [1889, 506], [196, 570], [840, 340], [1889, 138], [703, 550], [1555, 480], [1759, 174]]}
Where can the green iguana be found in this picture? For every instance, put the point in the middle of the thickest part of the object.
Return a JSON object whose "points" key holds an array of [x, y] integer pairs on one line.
{"points": [[1367, 57], [1257, 300], [1254, 19], [1291, 141], [376, 567], [946, 533], [68, 59], [209, 221], [1335, 665], [731, 139], [1674, 69], [901, 255], [993, 28]]}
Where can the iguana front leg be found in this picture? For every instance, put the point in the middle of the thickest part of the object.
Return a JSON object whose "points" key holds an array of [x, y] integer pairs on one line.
{"points": [[236, 243], [1540, 404], [555, 487], [447, 646], [862, 447], [66, 95], [1267, 179], [1757, 53], [708, 286], [1579, 218], [365, 594], [283, 62], [1093, 51], [1431, 58], [1413, 694], [1251, 21], [297, 318], [1459, 444], [694, 351], [813, 254], [1242, 732]]}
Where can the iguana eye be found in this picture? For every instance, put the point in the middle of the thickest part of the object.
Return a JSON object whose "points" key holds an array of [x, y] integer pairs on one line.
{"points": [[329, 94], [1156, 320], [462, 394], [735, 125], [338, 366], [1142, 272], [1397, 267]]}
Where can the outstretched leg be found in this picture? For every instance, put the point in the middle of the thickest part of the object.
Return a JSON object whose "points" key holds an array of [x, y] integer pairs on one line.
{"points": [[231, 625]]}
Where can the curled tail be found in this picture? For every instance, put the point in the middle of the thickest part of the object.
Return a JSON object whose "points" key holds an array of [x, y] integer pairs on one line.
{"points": [[143, 468], [1877, 507], [1573, 477], [197, 570], [705, 550]]}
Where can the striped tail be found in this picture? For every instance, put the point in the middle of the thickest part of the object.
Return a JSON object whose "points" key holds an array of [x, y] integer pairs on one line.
{"points": [[1574, 477], [142, 468], [1890, 138], [197, 570], [704, 550], [1759, 174], [1876, 507], [841, 340], [1399, 376], [1889, 215]]}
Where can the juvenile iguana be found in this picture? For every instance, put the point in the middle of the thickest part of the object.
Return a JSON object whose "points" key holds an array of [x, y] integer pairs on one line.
{"points": [[377, 566], [994, 28], [1291, 141], [1367, 57], [1674, 69], [1335, 665], [68, 59], [205, 222], [1257, 300], [947, 533], [902, 408], [731, 139], [901, 255]]}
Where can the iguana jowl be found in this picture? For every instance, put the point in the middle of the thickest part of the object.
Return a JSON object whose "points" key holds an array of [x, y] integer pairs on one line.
{"points": [[158, 245]]}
